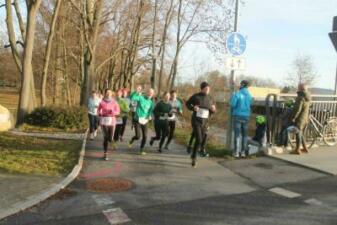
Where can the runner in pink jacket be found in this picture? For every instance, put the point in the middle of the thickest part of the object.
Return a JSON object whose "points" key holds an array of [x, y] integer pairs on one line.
{"points": [[107, 110]]}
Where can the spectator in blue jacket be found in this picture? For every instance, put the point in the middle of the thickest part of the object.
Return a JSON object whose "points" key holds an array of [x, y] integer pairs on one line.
{"points": [[241, 102]]}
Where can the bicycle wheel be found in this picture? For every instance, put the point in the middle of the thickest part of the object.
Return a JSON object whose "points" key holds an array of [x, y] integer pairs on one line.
{"points": [[330, 132], [310, 135]]}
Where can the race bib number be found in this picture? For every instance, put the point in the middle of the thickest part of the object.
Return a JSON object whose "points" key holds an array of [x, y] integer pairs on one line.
{"points": [[143, 121], [173, 117], [106, 121], [119, 120], [203, 113]]}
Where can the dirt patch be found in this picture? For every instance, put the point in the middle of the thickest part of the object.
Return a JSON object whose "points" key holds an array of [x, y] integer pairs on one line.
{"points": [[108, 185], [64, 193]]}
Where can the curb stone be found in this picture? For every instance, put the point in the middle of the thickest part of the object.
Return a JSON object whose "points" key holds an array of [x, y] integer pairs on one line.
{"points": [[40, 197]]}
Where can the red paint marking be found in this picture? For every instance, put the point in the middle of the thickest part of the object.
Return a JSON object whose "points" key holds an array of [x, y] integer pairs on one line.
{"points": [[118, 168], [100, 173], [97, 153]]}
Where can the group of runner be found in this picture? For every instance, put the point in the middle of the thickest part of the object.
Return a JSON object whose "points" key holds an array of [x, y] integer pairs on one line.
{"points": [[111, 113]]}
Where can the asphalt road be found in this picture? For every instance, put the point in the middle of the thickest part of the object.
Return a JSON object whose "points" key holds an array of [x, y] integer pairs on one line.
{"points": [[261, 191]]}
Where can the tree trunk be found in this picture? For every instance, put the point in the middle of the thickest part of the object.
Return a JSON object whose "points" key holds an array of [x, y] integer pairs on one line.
{"points": [[48, 52], [91, 27], [154, 58], [27, 70]]}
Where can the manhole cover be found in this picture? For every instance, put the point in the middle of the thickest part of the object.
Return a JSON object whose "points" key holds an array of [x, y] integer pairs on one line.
{"points": [[106, 185]]}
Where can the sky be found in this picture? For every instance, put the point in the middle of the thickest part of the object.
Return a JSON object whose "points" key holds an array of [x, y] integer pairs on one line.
{"points": [[277, 31]]}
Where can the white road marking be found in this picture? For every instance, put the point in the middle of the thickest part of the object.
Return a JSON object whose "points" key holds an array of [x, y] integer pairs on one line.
{"points": [[102, 200], [116, 216], [313, 201], [285, 193]]}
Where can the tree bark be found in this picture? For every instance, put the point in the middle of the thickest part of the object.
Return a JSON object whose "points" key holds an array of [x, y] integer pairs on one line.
{"points": [[154, 58], [48, 52], [91, 28], [163, 44], [27, 71]]}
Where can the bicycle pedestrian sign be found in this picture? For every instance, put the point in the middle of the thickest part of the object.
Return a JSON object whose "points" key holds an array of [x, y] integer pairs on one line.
{"points": [[236, 44]]}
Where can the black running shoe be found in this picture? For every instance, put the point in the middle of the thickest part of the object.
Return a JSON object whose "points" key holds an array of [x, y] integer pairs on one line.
{"points": [[203, 154], [194, 163], [151, 141], [189, 149]]}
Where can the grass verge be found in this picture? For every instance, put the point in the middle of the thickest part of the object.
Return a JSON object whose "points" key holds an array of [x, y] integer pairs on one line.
{"points": [[31, 129], [41, 156], [214, 147], [10, 100]]}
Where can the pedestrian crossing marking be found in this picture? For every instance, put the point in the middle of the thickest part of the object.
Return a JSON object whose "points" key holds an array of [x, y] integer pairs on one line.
{"points": [[313, 201], [103, 200], [285, 193], [116, 216]]}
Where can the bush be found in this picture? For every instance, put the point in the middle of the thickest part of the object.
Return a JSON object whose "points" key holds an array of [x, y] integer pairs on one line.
{"points": [[61, 118]]}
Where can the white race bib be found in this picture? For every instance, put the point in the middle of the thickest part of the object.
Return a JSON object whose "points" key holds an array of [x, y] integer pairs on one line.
{"points": [[143, 121], [106, 121], [164, 117], [203, 113], [119, 120], [173, 117]]}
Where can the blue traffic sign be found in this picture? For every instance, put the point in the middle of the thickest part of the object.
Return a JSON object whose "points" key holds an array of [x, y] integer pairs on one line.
{"points": [[236, 44]]}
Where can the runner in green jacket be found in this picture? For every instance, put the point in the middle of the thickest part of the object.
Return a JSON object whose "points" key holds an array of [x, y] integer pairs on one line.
{"points": [[145, 106], [162, 111]]}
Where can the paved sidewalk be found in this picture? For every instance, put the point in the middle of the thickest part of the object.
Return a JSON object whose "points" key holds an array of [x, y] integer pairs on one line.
{"points": [[15, 189], [322, 159], [160, 178]]}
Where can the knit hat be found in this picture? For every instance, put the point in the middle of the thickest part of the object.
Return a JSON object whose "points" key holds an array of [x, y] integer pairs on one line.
{"points": [[244, 83], [203, 85]]}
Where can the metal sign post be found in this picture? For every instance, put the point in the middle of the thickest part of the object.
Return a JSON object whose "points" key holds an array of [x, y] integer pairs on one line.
{"points": [[333, 37], [236, 45]]}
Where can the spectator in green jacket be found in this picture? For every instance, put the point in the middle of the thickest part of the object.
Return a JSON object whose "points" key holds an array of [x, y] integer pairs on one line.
{"points": [[300, 116], [143, 112]]}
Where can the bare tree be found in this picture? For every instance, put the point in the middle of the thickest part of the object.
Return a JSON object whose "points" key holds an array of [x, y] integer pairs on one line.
{"points": [[303, 71], [48, 51], [24, 63]]}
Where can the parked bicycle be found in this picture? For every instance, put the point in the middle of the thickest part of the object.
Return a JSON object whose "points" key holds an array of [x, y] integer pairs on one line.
{"points": [[326, 131]]}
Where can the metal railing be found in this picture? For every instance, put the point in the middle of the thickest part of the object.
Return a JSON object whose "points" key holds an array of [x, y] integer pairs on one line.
{"points": [[274, 106]]}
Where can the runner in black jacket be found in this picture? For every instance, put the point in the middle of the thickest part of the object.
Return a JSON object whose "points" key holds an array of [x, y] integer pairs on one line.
{"points": [[202, 105]]}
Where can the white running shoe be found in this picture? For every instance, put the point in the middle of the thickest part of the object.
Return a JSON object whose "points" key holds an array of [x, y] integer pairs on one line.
{"points": [[95, 133]]}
